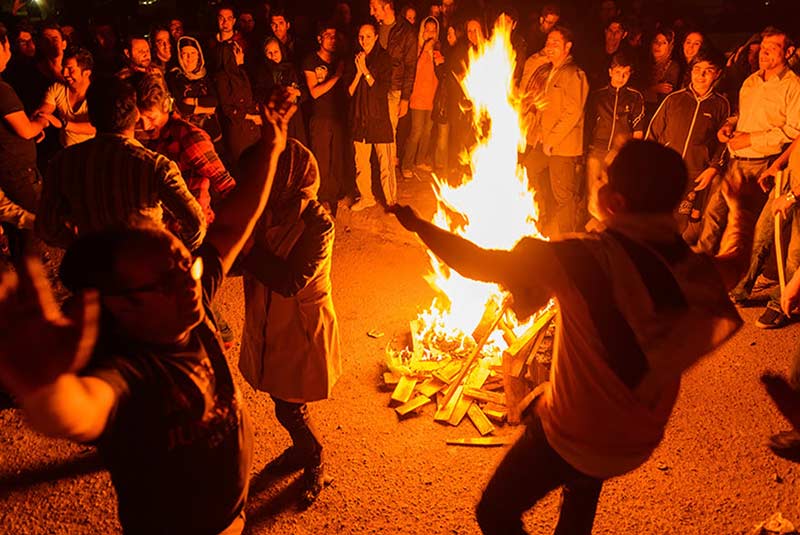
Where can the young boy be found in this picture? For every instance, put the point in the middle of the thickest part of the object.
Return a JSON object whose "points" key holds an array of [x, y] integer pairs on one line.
{"points": [[688, 120], [636, 309], [614, 114]]}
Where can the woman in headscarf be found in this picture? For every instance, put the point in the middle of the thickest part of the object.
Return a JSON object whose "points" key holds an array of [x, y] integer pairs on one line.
{"points": [[194, 93], [290, 341], [274, 69], [661, 74]]}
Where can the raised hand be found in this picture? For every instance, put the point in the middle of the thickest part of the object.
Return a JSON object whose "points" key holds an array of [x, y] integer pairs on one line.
{"points": [[38, 343]]}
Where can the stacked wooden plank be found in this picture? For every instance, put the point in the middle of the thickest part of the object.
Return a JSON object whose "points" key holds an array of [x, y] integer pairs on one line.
{"points": [[472, 389]]}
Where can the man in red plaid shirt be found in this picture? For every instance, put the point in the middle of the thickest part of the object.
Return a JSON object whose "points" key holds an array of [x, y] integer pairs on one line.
{"points": [[187, 145]]}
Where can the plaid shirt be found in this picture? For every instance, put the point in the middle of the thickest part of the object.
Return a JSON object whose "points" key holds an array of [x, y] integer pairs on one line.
{"points": [[191, 148]]}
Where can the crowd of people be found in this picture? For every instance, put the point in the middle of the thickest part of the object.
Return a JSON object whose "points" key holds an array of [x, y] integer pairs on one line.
{"points": [[163, 160]]}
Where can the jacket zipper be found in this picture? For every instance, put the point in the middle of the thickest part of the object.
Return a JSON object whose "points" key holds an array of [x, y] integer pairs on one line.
{"points": [[613, 118], [691, 126]]}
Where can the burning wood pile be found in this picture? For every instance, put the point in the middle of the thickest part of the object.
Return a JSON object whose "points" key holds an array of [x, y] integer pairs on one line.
{"points": [[467, 352], [469, 377]]}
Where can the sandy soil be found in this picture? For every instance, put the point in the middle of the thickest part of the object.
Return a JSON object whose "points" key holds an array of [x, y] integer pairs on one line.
{"points": [[711, 475]]}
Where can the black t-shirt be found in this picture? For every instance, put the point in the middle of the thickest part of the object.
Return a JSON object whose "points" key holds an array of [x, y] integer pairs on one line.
{"points": [[179, 443], [332, 104], [16, 153]]}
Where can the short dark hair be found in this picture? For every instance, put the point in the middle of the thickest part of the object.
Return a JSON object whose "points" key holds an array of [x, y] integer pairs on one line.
{"points": [[717, 59], [128, 43], [565, 32], [652, 178], [151, 91], [620, 59], [279, 12], [325, 25], [50, 25], [90, 262], [225, 5], [26, 27], [616, 20], [550, 9], [112, 105], [771, 31], [82, 56]]}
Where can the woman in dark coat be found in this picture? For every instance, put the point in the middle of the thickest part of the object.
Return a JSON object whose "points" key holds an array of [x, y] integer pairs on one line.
{"points": [[193, 90], [241, 122], [369, 117], [275, 70]]}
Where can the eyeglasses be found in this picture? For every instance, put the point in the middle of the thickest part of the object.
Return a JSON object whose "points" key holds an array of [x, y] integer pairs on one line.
{"points": [[167, 283]]}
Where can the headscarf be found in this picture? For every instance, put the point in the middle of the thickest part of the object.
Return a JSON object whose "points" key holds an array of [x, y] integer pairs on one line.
{"points": [[199, 71], [296, 183]]}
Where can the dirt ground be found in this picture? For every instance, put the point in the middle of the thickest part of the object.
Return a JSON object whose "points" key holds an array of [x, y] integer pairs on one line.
{"points": [[711, 475]]}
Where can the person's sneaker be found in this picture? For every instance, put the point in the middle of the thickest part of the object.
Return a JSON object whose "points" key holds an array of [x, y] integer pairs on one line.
{"points": [[407, 173], [424, 167], [362, 205], [313, 481], [772, 318], [786, 444], [287, 462]]}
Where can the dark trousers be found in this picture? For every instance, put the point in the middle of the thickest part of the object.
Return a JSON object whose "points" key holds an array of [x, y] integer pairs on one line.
{"points": [[327, 144], [295, 419], [529, 471], [563, 200], [23, 187]]}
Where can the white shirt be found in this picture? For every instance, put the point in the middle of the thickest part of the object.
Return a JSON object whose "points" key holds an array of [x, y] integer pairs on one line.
{"points": [[58, 95]]}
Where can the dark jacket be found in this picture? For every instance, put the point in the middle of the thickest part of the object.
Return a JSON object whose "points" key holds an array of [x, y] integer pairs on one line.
{"points": [[369, 106], [205, 91], [402, 49], [689, 124], [613, 114]]}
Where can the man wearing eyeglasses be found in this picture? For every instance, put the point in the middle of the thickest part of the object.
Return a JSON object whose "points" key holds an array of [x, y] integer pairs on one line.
{"points": [[149, 386]]}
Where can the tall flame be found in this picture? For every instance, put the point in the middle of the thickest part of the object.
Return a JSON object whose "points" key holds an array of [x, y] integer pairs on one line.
{"points": [[493, 205]]}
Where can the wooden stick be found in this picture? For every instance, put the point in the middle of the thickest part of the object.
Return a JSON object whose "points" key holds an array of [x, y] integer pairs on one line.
{"points": [[451, 390], [778, 237]]}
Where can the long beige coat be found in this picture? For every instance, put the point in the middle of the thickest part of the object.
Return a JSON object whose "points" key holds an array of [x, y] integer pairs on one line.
{"points": [[290, 341]]}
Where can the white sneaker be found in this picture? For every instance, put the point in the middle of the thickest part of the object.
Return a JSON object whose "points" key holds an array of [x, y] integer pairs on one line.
{"points": [[362, 205]]}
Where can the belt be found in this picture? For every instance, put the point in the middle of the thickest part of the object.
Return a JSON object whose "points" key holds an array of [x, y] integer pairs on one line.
{"points": [[759, 159]]}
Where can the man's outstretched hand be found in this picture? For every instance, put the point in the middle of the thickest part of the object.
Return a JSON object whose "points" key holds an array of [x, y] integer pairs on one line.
{"points": [[38, 342], [406, 215]]}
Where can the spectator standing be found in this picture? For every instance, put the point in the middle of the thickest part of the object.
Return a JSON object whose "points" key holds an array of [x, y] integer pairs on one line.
{"points": [[112, 180], [599, 60], [554, 103], [688, 121], [162, 45], [241, 121], [768, 118], [67, 100], [108, 59], [194, 91], [369, 118], [282, 30], [661, 73], [426, 82], [399, 39], [323, 72], [139, 59], [693, 44], [290, 341], [23, 60], [272, 70], [548, 18], [225, 37], [614, 114], [175, 28], [32, 84], [19, 177]]}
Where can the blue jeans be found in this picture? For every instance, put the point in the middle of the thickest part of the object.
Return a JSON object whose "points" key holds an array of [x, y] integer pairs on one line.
{"points": [[419, 139]]}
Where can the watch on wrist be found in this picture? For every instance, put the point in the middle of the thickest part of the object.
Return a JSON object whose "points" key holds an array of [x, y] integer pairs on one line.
{"points": [[791, 197]]}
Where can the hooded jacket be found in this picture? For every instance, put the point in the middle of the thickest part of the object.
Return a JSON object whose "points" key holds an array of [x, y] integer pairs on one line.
{"points": [[195, 84]]}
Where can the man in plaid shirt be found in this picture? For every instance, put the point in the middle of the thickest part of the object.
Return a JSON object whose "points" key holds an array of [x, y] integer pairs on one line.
{"points": [[182, 142]]}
